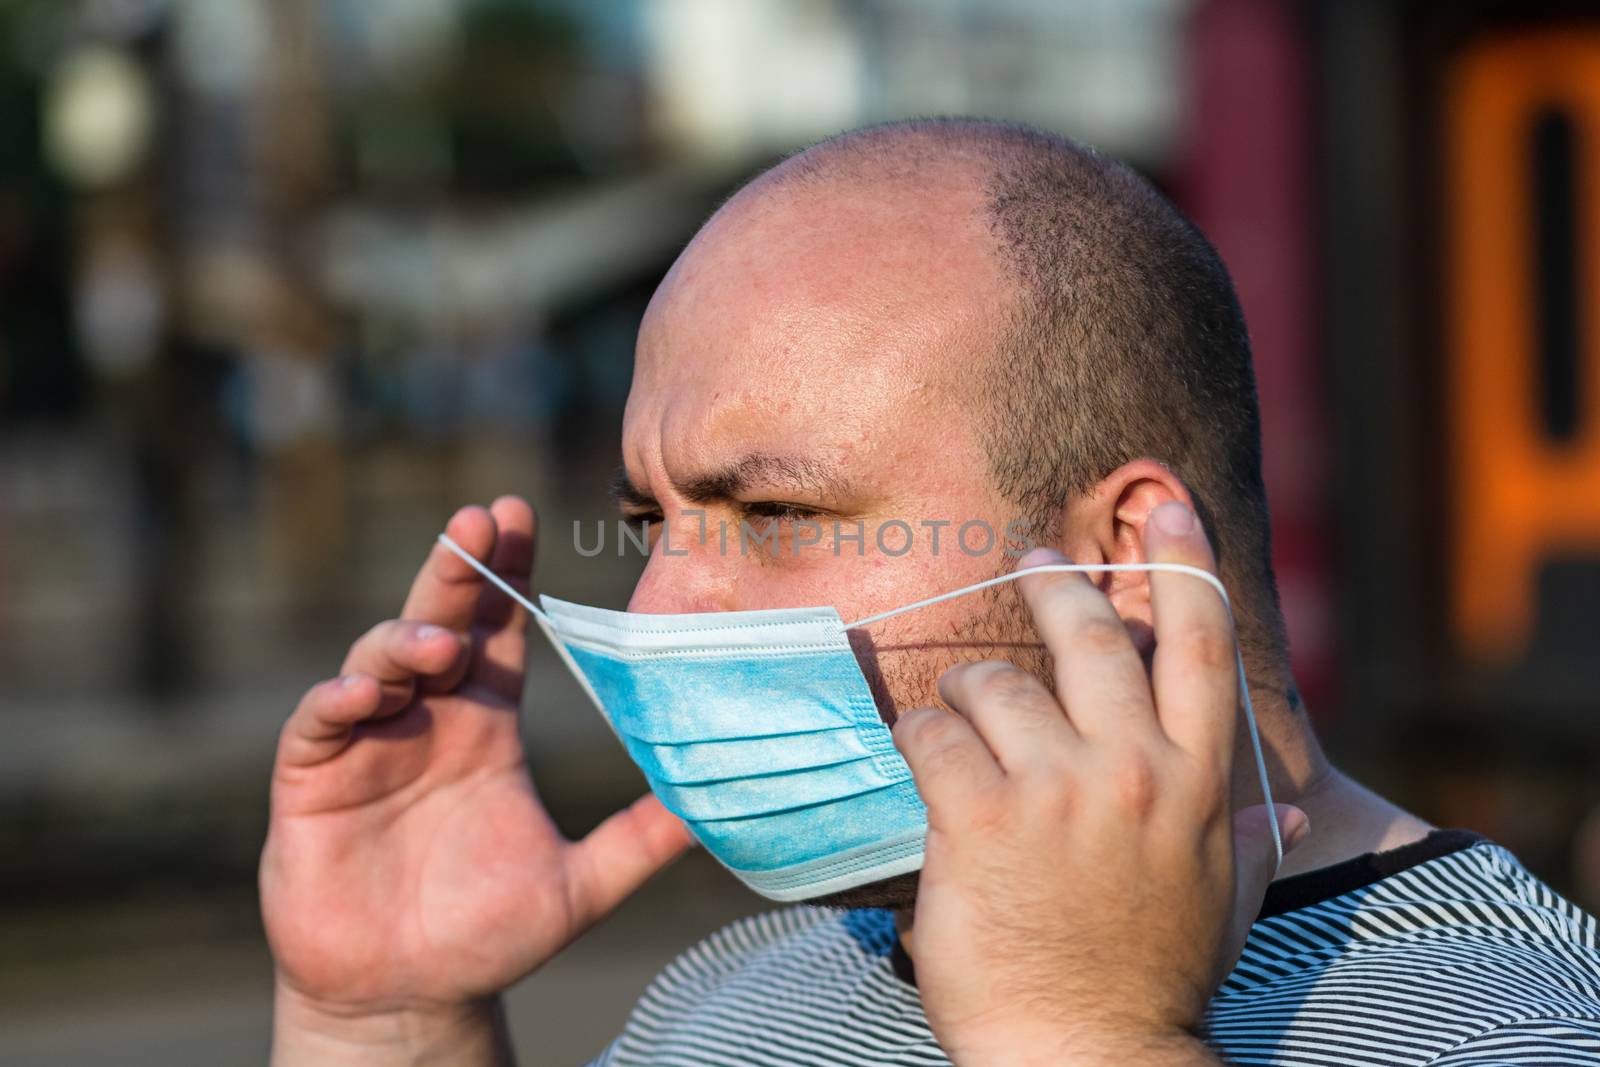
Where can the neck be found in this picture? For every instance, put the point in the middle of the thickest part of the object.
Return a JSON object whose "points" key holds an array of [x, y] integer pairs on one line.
{"points": [[1347, 819]]}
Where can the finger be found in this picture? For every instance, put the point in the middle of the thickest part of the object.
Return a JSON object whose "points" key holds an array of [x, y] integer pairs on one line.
{"points": [[1194, 673], [953, 769], [1256, 861], [321, 724], [1099, 674], [621, 854], [1013, 713], [400, 653], [446, 590], [512, 559], [501, 624]]}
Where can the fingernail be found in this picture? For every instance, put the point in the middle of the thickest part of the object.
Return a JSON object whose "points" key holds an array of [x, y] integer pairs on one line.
{"points": [[1295, 825], [1173, 519], [350, 681], [428, 631]]}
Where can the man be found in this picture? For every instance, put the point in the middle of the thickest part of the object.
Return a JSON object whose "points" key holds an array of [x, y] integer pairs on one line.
{"points": [[940, 321]]}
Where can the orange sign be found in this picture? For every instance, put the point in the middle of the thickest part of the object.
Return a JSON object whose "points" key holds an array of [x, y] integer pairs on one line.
{"points": [[1520, 493]]}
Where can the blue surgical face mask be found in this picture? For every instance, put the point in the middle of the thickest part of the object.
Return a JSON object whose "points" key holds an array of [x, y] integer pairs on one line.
{"points": [[758, 730]]}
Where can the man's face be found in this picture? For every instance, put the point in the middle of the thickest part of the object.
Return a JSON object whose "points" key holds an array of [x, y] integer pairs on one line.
{"points": [[812, 358]]}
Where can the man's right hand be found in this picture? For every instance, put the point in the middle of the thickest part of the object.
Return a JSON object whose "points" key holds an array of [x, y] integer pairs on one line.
{"points": [[410, 872]]}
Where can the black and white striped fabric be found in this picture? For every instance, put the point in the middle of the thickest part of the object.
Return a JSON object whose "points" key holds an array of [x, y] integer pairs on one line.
{"points": [[1444, 952]]}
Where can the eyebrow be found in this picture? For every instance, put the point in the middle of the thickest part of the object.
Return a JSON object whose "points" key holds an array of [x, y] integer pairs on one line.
{"points": [[625, 495], [726, 483]]}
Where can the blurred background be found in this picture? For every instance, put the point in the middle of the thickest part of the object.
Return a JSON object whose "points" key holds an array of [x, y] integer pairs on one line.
{"points": [[283, 282]]}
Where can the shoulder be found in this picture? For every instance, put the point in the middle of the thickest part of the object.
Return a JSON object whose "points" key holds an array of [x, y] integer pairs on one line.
{"points": [[788, 953], [1464, 952], [1475, 898], [1542, 1040], [799, 986], [1482, 898], [737, 944]]}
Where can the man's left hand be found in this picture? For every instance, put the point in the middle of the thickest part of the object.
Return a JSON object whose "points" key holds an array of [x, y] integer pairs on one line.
{"points": [[1087, 883]]}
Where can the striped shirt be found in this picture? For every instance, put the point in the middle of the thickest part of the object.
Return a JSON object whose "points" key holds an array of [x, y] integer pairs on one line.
{"points": [[1445, 952]]}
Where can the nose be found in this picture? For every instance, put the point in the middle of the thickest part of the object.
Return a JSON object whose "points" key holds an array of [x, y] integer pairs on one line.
{"points": [[679, 585]]}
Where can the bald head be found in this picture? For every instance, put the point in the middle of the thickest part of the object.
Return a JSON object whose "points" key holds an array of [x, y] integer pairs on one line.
{"points": [[901, 263], [1044, 306]]}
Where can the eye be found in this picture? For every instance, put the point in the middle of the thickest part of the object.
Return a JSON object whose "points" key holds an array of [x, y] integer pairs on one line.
{"points": [[779, 511]]}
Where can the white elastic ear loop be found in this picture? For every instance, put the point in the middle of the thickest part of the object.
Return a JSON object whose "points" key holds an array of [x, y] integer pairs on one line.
{"points": [[543, 622], [499, 582], [1103, 568]]}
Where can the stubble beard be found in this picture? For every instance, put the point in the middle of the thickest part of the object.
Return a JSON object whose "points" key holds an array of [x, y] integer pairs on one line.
{"points": [[905, 678]]}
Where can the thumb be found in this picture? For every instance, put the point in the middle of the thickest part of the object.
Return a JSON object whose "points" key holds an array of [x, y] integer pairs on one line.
{"points": [[1255, 862], [621, 854], [1254, 857]]}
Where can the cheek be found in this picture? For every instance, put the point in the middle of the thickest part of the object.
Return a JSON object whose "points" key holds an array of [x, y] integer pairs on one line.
{"points": [[905, 665], [714, 578]]}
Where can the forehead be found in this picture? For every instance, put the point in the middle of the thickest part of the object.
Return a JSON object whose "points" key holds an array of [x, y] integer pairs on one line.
{"points": [[803, 320]]}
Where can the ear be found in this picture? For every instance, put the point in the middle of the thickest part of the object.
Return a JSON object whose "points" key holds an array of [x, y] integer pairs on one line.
{"points": [[1106, 525]]}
